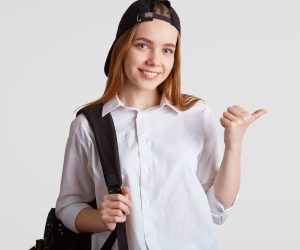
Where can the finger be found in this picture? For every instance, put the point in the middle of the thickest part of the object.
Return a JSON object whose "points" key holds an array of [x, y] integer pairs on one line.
{"points": [[114, 219], [222, 123], [230, 116], [120, 197], [258, 113], [114, 212], [235, 112], [125, 190], [118, 205], [225, 122], [240, 109]]}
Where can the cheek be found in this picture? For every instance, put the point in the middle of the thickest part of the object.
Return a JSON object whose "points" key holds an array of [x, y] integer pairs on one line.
{"points": [[169, 65], [132, 59], [128, 65]]}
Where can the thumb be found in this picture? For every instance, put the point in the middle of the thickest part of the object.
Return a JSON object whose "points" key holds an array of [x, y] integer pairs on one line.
{"points": [[125, 190], [258, 113]]}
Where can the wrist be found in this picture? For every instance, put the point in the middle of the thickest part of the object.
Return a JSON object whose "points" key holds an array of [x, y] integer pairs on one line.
{"points": [[236, 148]]}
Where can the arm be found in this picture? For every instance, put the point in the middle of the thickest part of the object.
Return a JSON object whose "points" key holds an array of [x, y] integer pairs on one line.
{"points": [[77, 186], [89, 220], [227, 182], [220, 177], [113, 209]]}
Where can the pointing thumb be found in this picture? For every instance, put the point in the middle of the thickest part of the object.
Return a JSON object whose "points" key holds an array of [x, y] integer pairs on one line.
{"points": [[258, 113]]}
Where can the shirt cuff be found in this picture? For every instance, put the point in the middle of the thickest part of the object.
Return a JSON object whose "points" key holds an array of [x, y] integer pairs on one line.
{"points": [[69, 214], [219, 213]]}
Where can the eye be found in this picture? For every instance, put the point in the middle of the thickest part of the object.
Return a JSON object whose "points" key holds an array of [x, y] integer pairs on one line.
{"points": [[169, 51], [140, 45]]}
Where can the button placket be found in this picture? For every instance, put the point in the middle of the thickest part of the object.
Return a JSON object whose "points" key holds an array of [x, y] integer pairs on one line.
{"points": [[145, 170]]}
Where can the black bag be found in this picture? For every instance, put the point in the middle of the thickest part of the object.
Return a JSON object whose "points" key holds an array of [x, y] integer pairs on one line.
{"points": [[59, 237]]}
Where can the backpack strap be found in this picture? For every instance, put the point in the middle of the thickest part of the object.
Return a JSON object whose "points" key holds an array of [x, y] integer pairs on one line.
{"points": [[106, 140]]}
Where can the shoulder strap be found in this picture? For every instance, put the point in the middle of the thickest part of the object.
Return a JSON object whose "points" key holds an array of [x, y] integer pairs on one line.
{"points": [[106, 140]]}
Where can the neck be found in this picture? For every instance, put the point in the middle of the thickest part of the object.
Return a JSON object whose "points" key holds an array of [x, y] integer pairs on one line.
{"points": [[141, 99]]}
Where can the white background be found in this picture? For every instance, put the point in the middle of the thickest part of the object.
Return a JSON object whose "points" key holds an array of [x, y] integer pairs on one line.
{"points": [[52, 55]]}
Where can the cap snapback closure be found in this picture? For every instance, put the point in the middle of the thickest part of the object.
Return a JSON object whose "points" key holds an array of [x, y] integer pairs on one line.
{"points": [[148, 16]]}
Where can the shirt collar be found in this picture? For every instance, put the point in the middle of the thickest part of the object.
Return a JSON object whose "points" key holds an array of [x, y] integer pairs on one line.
{"points": [[115, 102]]}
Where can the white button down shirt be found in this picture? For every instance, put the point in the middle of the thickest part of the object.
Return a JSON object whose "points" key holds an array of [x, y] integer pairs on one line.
{"points": [[168, 159]]}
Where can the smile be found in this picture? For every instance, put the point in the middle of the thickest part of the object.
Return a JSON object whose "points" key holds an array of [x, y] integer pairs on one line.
{"points": [[149, 74]]}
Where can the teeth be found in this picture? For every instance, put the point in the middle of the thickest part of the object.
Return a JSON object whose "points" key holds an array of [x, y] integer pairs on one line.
{"points": [[150, 73]]}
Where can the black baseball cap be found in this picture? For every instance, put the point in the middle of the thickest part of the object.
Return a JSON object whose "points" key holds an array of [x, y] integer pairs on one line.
{"points": [[141, 11]]}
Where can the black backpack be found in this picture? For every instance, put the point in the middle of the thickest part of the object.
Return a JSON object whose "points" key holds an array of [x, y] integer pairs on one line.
{"points": [[59, 237]]}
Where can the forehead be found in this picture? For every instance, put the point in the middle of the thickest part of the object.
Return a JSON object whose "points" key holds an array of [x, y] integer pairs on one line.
{"points": [[157, 31]]}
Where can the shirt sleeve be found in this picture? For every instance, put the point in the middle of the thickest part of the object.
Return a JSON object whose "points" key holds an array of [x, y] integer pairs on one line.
{"points": [[209, 162], [77, 186]]}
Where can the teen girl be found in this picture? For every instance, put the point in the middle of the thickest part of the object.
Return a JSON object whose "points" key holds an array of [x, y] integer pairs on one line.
{"points": [[176, 180]]}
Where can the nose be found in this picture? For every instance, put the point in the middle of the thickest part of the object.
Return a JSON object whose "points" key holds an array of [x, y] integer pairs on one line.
{"points": [[153, 59]]}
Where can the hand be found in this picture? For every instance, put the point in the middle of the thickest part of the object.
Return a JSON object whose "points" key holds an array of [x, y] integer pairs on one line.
{"points": [[235, 121], [114, 208]]}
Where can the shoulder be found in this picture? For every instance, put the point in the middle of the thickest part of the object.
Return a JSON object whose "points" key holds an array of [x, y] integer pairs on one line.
{"points": [[81, 127], [201, 106], [80, 122], [202, 113]]}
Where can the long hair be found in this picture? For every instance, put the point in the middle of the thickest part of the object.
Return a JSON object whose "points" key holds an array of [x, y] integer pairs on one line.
{"points": [[171, 86]]}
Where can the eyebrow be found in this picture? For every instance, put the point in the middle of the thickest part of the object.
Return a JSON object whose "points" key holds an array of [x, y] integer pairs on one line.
{"points": [[149, 41]]}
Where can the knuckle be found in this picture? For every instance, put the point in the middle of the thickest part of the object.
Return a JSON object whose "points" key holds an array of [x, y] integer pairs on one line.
{"points": [[238, 122], [103, 217], [103, 214], [231, 125], [102, 205], [241, 121], [248, 115], [244, 118]]}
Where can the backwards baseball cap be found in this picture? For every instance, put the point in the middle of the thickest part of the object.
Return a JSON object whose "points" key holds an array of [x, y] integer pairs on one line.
{"points": [[141, 11]]}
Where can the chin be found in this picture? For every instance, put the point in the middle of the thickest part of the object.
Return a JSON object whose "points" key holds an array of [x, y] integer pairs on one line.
{"points": [[147, 88]]}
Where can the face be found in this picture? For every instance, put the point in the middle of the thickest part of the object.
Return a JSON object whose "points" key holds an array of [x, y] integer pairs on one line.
{"points": [[150, 57]]}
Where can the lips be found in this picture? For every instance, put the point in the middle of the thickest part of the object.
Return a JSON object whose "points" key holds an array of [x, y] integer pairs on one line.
{"points": [[150, 75]]}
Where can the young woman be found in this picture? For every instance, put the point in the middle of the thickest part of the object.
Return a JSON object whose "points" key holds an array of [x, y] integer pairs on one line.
{"points": [[176, 180]]}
